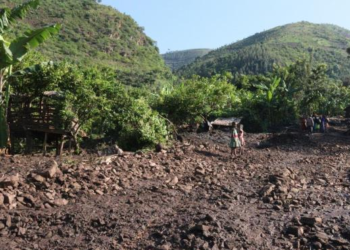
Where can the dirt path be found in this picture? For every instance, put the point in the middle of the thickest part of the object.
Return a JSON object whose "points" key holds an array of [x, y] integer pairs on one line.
{"points": [[291, 192]]}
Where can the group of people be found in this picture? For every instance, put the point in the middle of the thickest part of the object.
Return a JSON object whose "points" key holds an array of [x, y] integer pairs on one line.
{"points": [[311, 124], [314, 123], [237, 142]]}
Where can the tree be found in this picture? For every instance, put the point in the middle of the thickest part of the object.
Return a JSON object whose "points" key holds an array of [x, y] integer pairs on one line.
{"points": [[196, 99], [14, 51]]}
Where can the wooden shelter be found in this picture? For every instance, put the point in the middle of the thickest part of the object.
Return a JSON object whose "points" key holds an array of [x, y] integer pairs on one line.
{"points": [[39, 118]]}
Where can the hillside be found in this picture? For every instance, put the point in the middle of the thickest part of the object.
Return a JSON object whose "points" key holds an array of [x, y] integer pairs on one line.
{"points": [[281, 45], [178, 59], [94, 34]]}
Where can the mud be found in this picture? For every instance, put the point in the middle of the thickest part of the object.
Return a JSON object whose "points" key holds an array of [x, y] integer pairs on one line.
{"points": [[289, 191]]}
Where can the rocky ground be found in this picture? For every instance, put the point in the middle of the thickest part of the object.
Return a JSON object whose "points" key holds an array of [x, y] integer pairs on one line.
{"points": [[288, 191]]}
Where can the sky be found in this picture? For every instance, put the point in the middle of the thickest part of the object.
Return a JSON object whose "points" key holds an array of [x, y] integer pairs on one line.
{"points": [[189, 24]]}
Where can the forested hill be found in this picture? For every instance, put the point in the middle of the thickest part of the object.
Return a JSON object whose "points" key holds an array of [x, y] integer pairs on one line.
{"points": [[96, 34], [177, 59], [282, 45]]}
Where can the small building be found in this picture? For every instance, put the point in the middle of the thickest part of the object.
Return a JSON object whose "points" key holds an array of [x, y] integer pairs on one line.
{"points": [[39, 118]]}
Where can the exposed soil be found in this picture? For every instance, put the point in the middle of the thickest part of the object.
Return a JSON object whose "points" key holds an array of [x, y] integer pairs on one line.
{"points": [[288, 191]]}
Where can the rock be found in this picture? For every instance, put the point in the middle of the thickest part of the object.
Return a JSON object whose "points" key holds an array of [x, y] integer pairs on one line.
{"points": [[296, 231], [174, 181], [29, 199], [9, 198], [8, 222], [296, 244], [277, 207], [186, 188], [98, 192], [200, 171], [201, 229], [21, 231], [321, 237], [38, 178], [283, 189], [112, 150], [51, 168], [339, 242], [76, 186], [311, 221], [107, 160], [60, 202], [159, 147], [166, 246], [9, 181], [1, 199], [317, 245], [267, 190]]}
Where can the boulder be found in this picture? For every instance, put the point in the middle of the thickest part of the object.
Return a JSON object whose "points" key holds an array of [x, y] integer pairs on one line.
{"points": [[9, 181], [51, 168]]}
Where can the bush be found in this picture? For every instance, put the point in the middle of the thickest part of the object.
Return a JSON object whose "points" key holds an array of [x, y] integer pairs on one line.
{"points": [[100, 104], [140, 126], [196, 99]]}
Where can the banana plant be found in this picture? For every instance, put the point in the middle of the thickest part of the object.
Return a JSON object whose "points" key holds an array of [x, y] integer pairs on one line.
{"points": [[14, 51], [269, 90]]}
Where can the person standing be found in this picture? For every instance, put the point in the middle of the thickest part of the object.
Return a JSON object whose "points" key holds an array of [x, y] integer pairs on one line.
{"points": [[303, 123], [310, 124], [241, 137], [324, 124], [234, 142]]}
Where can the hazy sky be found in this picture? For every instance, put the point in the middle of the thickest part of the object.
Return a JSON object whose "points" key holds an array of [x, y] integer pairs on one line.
{"points": [[188, 24]]}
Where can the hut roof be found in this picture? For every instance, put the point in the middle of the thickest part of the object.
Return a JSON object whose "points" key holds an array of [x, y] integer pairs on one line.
{"points": [[227, 122]]}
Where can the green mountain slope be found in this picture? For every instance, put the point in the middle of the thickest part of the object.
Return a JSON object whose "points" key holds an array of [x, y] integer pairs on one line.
{"points": [[178, 59], [94, 34], [324, 43]]}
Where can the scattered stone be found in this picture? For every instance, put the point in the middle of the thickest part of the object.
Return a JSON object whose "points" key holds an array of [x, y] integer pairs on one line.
{"points": [[51, 168], [112, 150], [38, 178], [174, 181], [2, 199], [296, 231], [9, 181], [9, 198], [60, 202], [317, 245], [267, 190], [311, 221], [200, 171]]}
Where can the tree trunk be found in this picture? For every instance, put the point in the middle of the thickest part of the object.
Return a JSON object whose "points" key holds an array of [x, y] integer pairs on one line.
{"points": [[3, 128]]}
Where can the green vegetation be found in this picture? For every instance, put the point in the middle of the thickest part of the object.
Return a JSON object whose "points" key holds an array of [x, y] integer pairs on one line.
{"points": [[93, 97], [178, 59], [109, 95], [194, 100], [281, 46], [14, 51], [94, 34], [281, 97]]}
